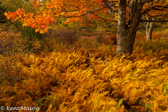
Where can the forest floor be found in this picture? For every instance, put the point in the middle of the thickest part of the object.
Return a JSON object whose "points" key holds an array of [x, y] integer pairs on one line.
{"points": [[83, 75]]}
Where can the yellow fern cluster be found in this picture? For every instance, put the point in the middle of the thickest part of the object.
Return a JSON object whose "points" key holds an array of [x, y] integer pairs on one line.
{"points": [[65, 80], [90, 80]]}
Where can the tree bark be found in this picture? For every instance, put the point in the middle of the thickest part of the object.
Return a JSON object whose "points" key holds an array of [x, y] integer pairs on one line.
{"points": [[121, 33], [127, 32]]}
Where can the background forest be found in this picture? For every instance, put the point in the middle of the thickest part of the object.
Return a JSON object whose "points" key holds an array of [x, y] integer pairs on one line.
{"points": [[76, 56]]}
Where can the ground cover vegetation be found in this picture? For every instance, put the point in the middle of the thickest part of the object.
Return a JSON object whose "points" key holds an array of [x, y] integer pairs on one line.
{"points": [[83, 76], [53, 64]]}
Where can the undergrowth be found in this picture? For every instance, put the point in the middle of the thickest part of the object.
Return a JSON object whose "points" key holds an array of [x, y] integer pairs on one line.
{"points": [[86, 77]]}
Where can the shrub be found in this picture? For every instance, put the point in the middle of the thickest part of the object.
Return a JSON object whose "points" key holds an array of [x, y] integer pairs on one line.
{"points": [[107, 39], [8, 71], [155, 45], [11, 43], [28, 32], [63, 35]]}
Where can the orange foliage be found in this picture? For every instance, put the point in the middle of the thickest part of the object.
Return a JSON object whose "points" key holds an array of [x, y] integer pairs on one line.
{"points": [[79, 11], [49, 12]]}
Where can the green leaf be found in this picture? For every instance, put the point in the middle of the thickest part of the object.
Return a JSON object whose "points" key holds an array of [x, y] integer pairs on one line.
{"points": [[120, 102], [165, 89]]}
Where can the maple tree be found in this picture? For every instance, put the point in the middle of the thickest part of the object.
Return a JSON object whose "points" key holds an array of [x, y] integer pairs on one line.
{"points": [[130, 14], [50, 12]]}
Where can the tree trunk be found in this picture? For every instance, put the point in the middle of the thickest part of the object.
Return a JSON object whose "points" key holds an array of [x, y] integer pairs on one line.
{"points": [[149, 30], [121, 33], [127, 32]]}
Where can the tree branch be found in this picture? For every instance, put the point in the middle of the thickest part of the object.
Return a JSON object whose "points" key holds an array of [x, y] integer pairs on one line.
{"points": [[156, 7], [154, 20]]}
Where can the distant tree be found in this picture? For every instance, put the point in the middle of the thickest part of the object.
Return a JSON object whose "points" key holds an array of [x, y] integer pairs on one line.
{"points": [[149, 29], [13, 5]]}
